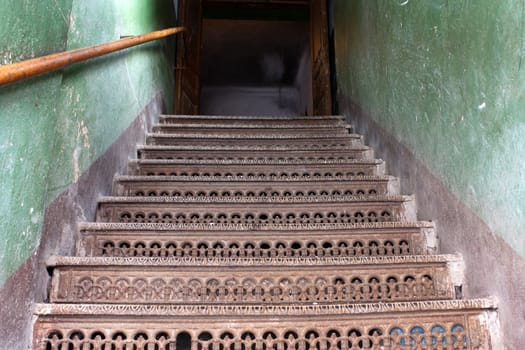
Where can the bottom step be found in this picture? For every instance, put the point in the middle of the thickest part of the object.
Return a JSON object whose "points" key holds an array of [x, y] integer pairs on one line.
{"points": [[415, 325]]}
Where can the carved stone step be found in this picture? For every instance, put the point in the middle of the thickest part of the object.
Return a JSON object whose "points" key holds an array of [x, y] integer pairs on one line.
{"points": [[308, 241], [246, 132], [257, 211], [137, 281], [174, 186], [163, 167], [253, 121], [256, 143], [403, 325], [209, 153]]}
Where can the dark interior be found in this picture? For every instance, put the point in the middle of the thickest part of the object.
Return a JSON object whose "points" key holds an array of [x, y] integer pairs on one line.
{"points": [[255, 62]]}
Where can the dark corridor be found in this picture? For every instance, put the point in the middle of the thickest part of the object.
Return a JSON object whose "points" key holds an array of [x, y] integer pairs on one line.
{"points": [[253, 57]]}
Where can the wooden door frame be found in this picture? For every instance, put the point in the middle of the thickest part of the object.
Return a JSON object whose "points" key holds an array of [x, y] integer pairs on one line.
{"points": [[321, 89], [187, 75]]}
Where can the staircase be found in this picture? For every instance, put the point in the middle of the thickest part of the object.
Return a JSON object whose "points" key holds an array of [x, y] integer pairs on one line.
{"points": [[258, 233]]}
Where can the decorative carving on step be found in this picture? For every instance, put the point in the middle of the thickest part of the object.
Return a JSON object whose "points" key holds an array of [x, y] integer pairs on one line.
{"points": [[148, 189], [258, 233], [445, 335], [299, 247], [257, 144], [255, 160], [167, 153], [132, 285], [259, 218], [150, 170], [446, 330], [358, 167]]}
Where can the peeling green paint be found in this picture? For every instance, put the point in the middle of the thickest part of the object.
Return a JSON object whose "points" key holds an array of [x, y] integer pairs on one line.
{"points": [[54, 126], [447, 79]]}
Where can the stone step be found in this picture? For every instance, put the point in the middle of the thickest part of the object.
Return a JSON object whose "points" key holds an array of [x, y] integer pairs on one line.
{"points": [[245, 135], [254, 121], [144, 280], [227, 168], [257, 211], [450, 324], [258, 143], [246, 132], [153, 186], [210, 153], [303, 241], [291, 124]]}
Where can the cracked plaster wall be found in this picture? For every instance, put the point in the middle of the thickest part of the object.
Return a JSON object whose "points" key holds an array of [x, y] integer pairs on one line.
{"points": [[53, 127], [438, 88]]}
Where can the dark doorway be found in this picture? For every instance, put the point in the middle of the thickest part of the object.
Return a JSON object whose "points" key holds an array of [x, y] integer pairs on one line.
{"points": [[255, 60], [253, 57]]}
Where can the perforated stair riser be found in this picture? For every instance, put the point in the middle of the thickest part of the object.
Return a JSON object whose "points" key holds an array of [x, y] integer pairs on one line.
{"points": [[253, 122], [139, 280], [258, 233], [258, 143], [285, 241], [254, 211], [181, 187], [395, 326], [358, 167], [246, 155], [237, 132]]}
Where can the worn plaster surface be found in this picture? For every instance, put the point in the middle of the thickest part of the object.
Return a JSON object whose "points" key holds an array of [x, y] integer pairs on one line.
{"points": [[53, 127], [437, 88], [446, 79], [77, 203]]}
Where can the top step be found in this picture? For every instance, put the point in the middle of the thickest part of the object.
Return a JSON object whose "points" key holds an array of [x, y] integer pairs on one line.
{"points": [[262, 119]]}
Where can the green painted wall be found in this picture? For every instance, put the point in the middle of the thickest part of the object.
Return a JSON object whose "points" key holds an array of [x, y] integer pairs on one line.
{"points": [[54, 126], [447, 79]]}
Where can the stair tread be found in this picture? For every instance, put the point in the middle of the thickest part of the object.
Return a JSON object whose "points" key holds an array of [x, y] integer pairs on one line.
{"points": [[256, 162], [243, 262], [253, 180], [214, 149], [272, 125], [278, 200], [347, 227], [260, 145], [344, 310], [253, 117], [251, 126], [233, 133], [241, 138]]}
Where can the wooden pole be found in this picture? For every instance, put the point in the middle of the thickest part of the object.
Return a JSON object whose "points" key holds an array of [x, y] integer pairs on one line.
{"points": [[30, 68]]}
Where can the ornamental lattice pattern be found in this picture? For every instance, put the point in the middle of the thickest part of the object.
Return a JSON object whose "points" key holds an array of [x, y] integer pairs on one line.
{"points": [[172, 247], [244, 286], [258, 234], [438, 335]]}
